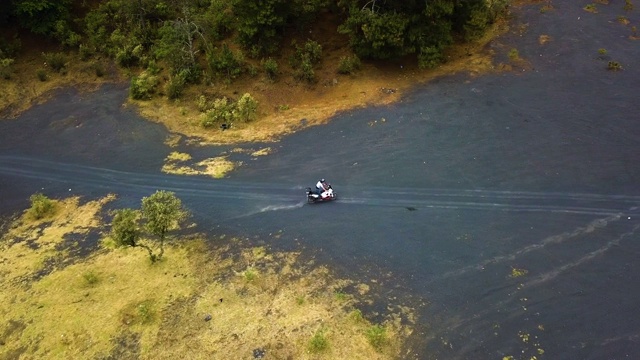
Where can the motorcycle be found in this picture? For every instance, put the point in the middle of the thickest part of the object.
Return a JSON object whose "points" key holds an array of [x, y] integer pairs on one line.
{"points": [[314, 197]]}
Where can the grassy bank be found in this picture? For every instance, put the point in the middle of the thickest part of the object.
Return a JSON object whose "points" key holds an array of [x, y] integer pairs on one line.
{"points": [[200, 301]]}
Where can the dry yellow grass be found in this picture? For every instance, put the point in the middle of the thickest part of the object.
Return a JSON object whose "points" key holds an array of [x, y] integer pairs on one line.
{"points": [[196, 303]]}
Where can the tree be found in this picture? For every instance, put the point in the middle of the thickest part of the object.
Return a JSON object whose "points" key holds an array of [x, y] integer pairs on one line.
{"points": [[162, 212], [41, 16], [261, 24], [125, 230]]}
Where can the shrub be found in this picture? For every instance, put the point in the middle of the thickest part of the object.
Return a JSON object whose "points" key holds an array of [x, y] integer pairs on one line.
{"points": [[271, 68], [41, 74], [313, 50], [246, 107], [175, 86], [85, 52], [602, 51], [305, 71], [6, 69], [348, 64], [429, 57], [41, 206], [377, 336], [628, 5], [226, 63], [318, 342], [143, 86], [221, 111], [56, 61], [99, 70]]}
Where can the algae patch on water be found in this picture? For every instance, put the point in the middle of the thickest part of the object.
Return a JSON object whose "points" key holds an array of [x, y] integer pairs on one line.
{"points": [[180, 163]]}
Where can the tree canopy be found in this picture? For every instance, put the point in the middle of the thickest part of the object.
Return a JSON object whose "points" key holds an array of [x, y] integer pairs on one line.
{"points": [[194, 38]]}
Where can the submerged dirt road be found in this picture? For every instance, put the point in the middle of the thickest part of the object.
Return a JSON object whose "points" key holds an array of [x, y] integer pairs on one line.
{"points": [[505, 206]]}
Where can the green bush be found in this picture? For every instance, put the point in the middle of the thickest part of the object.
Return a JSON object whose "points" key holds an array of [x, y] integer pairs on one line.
{"points": [[305, 71], [226, 63], [349, 64], [143, 86], [41, 74], [221, 111], [429, 57], [85, 52], [175, 86], [41, 206], [99, 70], [377, 336], [318, 342], [246, 108], [271, 68], [56, 61], [6, 70]]}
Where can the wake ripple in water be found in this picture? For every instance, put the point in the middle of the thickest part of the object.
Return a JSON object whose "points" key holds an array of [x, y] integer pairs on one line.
{"points": [[411, 198]]}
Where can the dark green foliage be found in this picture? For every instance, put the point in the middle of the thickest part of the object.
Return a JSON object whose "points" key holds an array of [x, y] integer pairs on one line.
{"points": [[225, 63], [56, 61], [261, 24], [349, 64], [6, 69], [318, 342], [125, 230], [41, 206], [246, 108], [271, 68], [216, 22], [390, 29], [304, 59], [305, 71], [41, 16], [175, 86], [377, 336], [161, 212], [99, 70], [41, 74]]}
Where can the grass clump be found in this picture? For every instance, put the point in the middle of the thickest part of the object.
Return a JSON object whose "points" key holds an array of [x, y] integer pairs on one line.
{"points": [[591, 8], [90, 278], [56, 61], [349, 64], [377, 336], [514, 54], [318, 342], [41, 74]]}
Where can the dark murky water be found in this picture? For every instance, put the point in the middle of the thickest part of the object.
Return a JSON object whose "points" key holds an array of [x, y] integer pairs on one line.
{"points": [[464, 181]]}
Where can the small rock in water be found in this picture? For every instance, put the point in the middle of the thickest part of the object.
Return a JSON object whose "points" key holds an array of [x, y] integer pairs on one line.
{"points": [[258, 353], [208, 317]]}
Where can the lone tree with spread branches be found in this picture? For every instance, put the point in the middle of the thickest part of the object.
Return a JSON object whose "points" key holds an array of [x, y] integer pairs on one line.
{"points": [[161, 213]]}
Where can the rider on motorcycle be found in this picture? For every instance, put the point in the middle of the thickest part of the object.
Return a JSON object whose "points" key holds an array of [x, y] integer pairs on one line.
{"points": [[321, 186]]}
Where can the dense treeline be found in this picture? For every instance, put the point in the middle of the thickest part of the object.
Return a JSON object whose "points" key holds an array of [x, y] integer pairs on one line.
{"points": [[199, 40]]}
